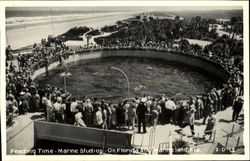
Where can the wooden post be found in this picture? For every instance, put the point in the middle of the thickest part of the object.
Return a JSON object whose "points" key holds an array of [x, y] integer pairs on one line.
{"points": [[126, 141], [237, 144], [214, 136], [232, 130], [103, 142], [64, 78], [154, 136], [226, 141], [77, 88], [170, 144], [46, 67], [150, 136], [198, 139], [134, 138]]}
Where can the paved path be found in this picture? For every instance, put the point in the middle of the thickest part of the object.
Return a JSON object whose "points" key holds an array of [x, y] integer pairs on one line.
{"points": [[223, 127], [84, 41], [162, 133], [22, 121]]}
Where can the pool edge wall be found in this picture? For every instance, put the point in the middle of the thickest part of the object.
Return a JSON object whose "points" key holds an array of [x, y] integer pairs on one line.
{"points": [[17, 142], [205, 65]]}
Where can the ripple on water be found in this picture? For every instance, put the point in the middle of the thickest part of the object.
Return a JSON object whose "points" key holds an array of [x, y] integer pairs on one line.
{"points": [[95, 78]]}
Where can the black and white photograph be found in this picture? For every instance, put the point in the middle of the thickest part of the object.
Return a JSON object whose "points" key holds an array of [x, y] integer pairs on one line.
{"points": [[128, 79]]}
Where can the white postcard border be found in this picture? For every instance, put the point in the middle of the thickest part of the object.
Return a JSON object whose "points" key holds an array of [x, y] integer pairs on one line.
{"points": [[244, 4]]}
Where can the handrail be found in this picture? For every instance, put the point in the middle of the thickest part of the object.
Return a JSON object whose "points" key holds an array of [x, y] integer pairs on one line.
{"points": [[71, 133], [19, 131], [140, 48], [152, 135], [104, 141]]}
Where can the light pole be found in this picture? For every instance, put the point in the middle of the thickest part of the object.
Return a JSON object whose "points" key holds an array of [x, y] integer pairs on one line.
{"points": [[115, 68], [64, 80], [64, 75]]}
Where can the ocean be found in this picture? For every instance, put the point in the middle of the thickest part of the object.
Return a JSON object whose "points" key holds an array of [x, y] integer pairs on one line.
{"points": [[26, 27]]}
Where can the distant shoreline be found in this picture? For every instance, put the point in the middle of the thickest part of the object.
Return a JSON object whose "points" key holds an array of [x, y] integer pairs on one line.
{"points": [[23, 37], [29, 24]]}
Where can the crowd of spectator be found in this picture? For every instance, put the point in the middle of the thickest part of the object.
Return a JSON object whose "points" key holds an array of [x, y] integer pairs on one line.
{"points": [[23, 95]]}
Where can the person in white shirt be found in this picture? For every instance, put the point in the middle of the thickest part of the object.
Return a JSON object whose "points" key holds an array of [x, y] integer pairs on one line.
{"points": [[79, 120], [73, 106], [98, 120], [170, 107], [192, 117], [49, 109], [88, 111], [58, 110]]}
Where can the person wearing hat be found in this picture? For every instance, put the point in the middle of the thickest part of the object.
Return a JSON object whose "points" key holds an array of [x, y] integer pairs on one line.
{"points": [[169, 111], [131, 116], [141, 112], [24, 103], [98, 120], [73, 106], [36, 101], [113, 116], [120, 116], [199, 107], [237, 108], [192, 118], [156, 111], [210, 126], [126, 106], [214, 98], [162, 103], [88, 111], [58, 110], [208, 109]]}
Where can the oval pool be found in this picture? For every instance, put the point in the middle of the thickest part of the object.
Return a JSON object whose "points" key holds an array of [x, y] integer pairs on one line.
{"points": [[95, 78]]}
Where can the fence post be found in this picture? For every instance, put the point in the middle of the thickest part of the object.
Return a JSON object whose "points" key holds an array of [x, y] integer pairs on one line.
{"points": [[133, 138], [154, 135], [232, 130], [104, 141], [197, 142], [150, 139], [237, 144], [214, 136], [227, 141], [170, 144]]}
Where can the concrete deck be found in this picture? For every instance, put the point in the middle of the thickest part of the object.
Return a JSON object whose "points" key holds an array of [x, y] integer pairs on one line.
{"points": [[21, 135]]}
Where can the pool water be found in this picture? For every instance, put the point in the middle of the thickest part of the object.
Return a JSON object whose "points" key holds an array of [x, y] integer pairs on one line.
{"points": [[95, 78]]}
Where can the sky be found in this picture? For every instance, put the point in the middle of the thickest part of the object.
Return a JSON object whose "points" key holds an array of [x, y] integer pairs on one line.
{"points": [[126, 0], [135, 8]]}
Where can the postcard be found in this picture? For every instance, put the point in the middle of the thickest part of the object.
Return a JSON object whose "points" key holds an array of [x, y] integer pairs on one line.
{"points": [[125, 80]]}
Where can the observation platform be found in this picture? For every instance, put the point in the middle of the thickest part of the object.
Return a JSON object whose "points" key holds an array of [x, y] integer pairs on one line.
{"points": [[30, 127]]}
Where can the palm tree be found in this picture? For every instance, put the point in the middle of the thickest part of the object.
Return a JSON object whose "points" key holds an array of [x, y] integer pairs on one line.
{"points": [[88, 38], [234, 22], [225, 26], [177, 18], [184, 44], [196, 47]]}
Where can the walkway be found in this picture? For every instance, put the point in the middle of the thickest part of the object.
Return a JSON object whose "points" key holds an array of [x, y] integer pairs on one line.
{"points": [[223, 128], [84, 41]]}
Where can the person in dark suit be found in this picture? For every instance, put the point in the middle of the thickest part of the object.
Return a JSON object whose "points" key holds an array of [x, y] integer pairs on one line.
{"points": [[141, 111], [24, 103], [120, 116], [237, 108]]}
